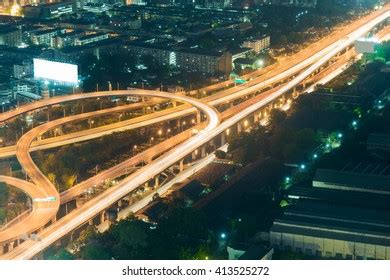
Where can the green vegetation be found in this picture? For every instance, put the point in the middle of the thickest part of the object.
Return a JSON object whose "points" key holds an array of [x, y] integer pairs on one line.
{"points": [[182, 234], [64, 165], [353, 146], [3, 200], [12, 202], [256, 199], [290, 139], [383, 51]]}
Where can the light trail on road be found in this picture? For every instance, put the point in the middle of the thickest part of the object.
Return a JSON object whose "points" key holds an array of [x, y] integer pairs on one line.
{"points": [[91, 208]]}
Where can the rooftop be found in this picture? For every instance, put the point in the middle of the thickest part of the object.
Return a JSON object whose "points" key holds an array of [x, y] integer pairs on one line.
{"points": [[72, 33], [319, 219], [47, 31], [158, 46], [85, 37], [383, 139], [358, 181], [341, 197]]}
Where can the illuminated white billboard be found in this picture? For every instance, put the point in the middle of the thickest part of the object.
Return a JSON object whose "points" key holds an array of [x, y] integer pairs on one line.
{"points": [[55, 71]]}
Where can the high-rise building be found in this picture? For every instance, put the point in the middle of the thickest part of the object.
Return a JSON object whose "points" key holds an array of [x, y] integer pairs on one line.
{"points": [[10, 36]]}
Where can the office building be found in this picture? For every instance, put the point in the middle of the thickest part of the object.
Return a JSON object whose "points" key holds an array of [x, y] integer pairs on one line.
{"points": [[257, 44], [23, 69], [66, 39], [10, 36], [191, 60], [50, 10], [44, 37]]}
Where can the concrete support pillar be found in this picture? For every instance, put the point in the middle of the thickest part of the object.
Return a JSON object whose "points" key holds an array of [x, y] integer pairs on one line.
{"points": [[203, 151], [54, 220], [2, 249], [256, 117], [174, 103], [223, 138], [294, 93], [102, 217], [120, 203], [239, 128], [11, 246], [198, 117], [157, 181], [146, 185], [90, 222], [194, 154], [181, 165]]}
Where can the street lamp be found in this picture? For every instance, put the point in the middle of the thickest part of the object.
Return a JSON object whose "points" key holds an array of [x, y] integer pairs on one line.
{"points": [[182, 125], [91, 123], [259, 63]]}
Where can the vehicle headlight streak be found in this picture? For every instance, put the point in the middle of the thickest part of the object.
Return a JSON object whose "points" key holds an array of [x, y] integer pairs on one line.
{"points": [[213, 129]]}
